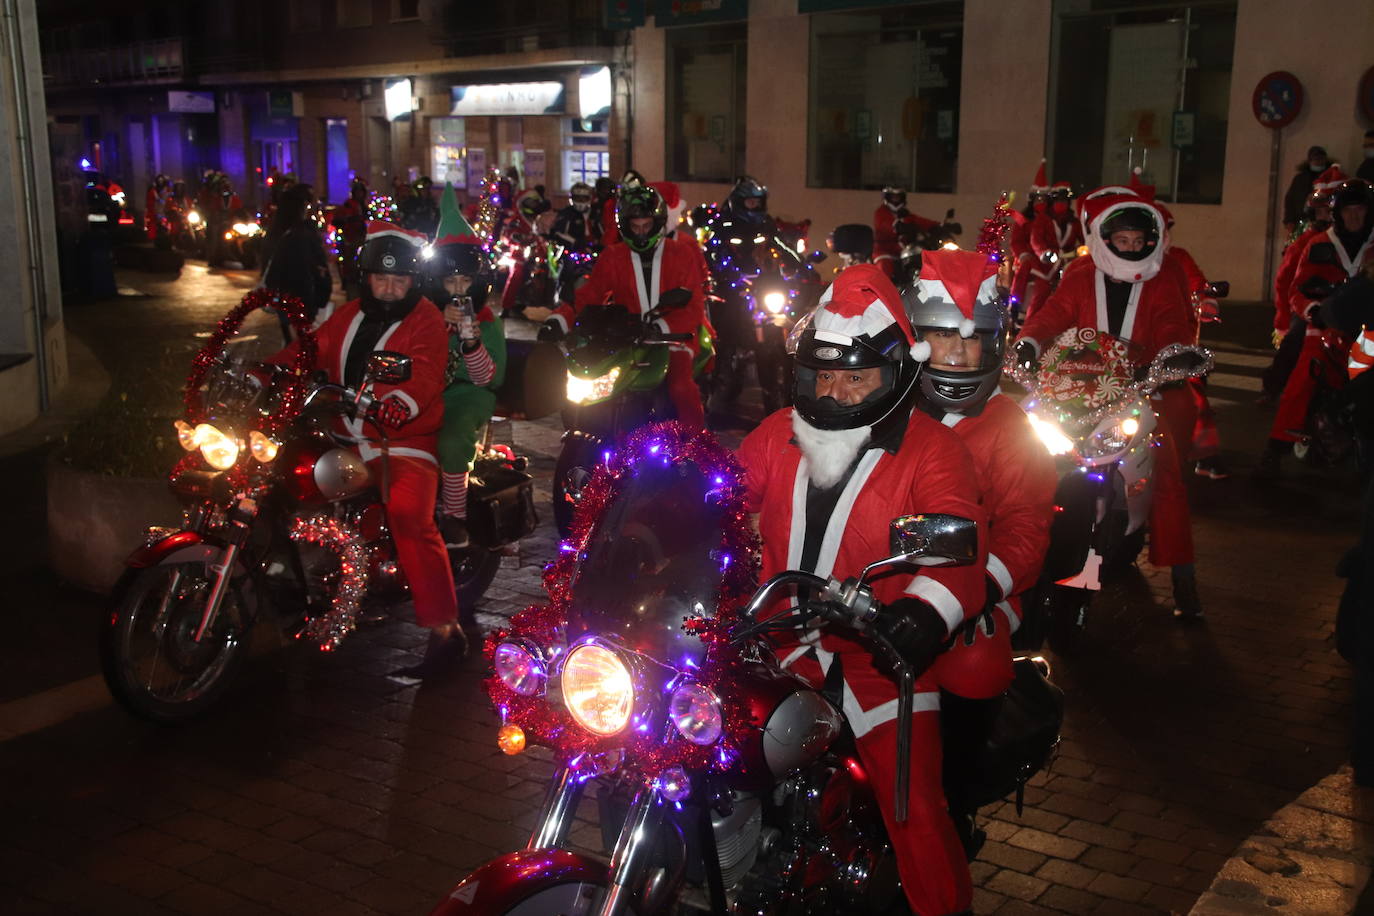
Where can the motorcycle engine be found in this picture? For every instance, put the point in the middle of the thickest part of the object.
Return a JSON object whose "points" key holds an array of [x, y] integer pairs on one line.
{"points": [[737, 836]]}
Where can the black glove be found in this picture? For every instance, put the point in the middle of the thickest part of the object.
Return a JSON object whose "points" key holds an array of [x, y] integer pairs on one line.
{"points": [[902, 213], [551, 330], [391, 412], [1314, 316], [1027, 356], [915, 629]]}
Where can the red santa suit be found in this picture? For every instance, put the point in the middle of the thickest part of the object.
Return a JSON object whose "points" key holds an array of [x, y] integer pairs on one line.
{"points": [[619, 277], [1323, 263], [1051, 237], [1283, 280], [413, 469], [886, 247], [1157, 314], [930, 471], [1018, 480]]}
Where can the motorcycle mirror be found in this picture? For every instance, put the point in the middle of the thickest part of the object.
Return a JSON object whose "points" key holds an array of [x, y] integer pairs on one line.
{"points": [[387, 367], [949, 214], [1177, 362], [1219, 289], [675, 298], [934, 539]]}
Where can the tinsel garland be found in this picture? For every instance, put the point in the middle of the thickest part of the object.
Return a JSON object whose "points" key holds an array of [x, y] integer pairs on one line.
{"points": [[995, 228], [329, 629], [722, 664]]}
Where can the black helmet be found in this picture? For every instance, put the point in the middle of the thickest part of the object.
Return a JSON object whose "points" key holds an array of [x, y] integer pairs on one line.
{"points": [[894, 197], [748, 188], [854, 240], [637, 203], [465, 259], [581, 195], [822, 346], [532, 204], [932, 311], [605, 188], [1135, 219], [631, 179], [388, 254], [1352, 191]]}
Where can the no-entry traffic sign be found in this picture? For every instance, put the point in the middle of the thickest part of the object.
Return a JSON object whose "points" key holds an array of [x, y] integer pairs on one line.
{"points": [[1277, 99]]}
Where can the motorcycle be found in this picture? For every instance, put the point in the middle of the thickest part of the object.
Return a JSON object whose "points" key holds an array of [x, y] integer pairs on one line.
{"points": [[282, 520], [1092, 412], [763, 287], [242, 240], [1328, 435], [617, 364], [724, 782]]}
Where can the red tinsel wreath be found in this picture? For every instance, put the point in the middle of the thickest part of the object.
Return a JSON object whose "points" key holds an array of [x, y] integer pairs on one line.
{"points": [[292, 394], [552, 725]]}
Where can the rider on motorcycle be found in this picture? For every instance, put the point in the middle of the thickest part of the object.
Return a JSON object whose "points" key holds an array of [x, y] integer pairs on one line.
{"points": [[826, 477], [1054, 238], [1126, 287], [853, 243], [1023, 259], [350, 219], [890, 216], [610, 228], [392, 314], [574, 227], [635, 272], [476, 359], [955, 306]]}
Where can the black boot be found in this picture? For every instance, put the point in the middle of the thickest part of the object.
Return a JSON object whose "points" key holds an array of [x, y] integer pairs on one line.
{"points": [[443, 652], [1187, 604]]}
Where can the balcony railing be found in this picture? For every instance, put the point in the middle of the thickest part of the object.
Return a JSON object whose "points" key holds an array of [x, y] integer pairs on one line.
{"points": [[142, 62]]}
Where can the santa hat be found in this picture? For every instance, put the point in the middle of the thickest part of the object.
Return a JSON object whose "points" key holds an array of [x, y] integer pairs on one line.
{"points": [[381, 229], [966, 278], [1327, 181], [1063, 186], [453, 228], [672, 199], [1146, 191], [1096, 208], [1041, 183], [862, 302]]}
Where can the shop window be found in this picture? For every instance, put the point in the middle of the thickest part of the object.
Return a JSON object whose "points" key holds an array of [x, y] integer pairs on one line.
{"points": [[586, 151], [448, 140], [884, 97], [1142, 87], [705, 107], [585, 165], [352, 14]]}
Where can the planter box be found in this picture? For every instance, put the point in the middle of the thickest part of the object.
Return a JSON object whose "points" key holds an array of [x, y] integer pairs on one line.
{"points": [[95, 521]]}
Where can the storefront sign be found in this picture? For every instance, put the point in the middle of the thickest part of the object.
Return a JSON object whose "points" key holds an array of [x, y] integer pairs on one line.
{"points": [[477, 167], [280, 103], [508, 99], [534, 167], [624, 14], [696, 12], [190, 102], [1185, 129]]}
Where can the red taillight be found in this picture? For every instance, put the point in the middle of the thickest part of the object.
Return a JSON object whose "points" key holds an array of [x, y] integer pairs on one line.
{"points": [[126, 221]]}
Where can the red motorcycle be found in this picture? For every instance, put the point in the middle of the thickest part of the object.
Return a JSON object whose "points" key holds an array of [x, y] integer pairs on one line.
{"points": [[282, 520], [724, 783]]}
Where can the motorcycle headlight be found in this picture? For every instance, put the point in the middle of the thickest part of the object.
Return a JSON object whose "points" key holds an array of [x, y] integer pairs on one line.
{"points": [[519, 668], [950, 246], [1112, 436], [1051, 436], [581, 390], [186, 435], [598, 689], [696, 713], [801, 246], [775, 301], [193, 218], [219, 450], [263, 446]]}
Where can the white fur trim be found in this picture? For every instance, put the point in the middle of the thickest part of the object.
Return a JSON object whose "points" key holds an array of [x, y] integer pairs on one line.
{"points": [[951, 419], [843, 340], [920, 351], [562, 322], [966, 328], [862, 721], [1000, 574], [412, 238], [1012, 620], [937, 595], [661, 324], [873, 321]]}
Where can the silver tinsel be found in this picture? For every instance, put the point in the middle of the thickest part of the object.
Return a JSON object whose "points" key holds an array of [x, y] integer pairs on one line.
{"points": [[328, 630]]}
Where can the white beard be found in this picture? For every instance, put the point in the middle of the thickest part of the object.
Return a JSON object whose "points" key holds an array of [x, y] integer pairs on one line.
{"points": [[829, 453]]}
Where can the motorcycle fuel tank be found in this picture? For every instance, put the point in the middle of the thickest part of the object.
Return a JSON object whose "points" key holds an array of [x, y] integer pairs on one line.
{"points": [[325, 473], [800, 729]]}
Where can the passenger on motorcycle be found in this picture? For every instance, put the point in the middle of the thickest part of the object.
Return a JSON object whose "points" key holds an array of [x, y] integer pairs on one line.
{"points": [[1127, 288], [1325, 263], [1054, 239], [890, 216], [391, 314], [461, 268], [635, 272], [853, 243], [1023, 260], [826, 477]]}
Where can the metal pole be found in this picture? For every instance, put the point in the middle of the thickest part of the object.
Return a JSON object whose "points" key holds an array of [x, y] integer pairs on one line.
{"points": [[1182, 91], [1273, 214]]}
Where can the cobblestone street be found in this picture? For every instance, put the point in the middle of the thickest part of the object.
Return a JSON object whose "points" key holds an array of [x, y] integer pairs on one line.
{"points": [[322, 785]]}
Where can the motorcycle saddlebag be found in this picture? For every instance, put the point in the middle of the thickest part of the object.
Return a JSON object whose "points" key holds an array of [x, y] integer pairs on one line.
{"points": [[500, 505], [1024, 734]]}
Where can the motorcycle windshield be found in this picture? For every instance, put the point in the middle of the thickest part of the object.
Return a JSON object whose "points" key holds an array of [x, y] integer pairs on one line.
{"points": [[653, 559]]}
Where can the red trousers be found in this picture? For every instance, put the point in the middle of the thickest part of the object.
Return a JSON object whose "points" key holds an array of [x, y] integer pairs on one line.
{"points": [[1171, 525], [683, 390], [419, 547], [930, 858], [1206, 439], [1291, 416]]}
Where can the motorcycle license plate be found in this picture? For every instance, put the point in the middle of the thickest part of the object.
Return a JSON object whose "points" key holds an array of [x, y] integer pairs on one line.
{"points": [[1088, 577]]}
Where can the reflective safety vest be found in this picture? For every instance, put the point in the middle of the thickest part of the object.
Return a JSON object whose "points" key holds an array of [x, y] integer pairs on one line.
{"points": [[1362, 353]]}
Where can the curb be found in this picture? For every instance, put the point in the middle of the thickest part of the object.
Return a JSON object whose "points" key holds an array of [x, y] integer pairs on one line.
{"points": [[1313, 856]]}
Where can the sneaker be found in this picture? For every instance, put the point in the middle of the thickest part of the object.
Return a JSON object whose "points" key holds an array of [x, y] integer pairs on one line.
{"points": [[1211, 468], [454, 531], [1187, 604]]}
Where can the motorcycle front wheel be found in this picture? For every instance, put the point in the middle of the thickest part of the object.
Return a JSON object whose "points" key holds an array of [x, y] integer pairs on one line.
{"points": [[148, 653]]}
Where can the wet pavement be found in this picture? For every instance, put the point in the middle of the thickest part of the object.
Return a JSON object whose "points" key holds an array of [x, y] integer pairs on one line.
{"points": [[323, 784]]}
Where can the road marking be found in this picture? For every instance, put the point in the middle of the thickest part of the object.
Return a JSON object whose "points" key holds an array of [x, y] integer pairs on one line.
{"points": [[51, 707]]}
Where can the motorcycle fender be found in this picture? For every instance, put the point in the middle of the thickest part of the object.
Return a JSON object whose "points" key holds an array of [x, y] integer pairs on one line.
{"points": [[1137, 478], [179, 547], [500, 884]]}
